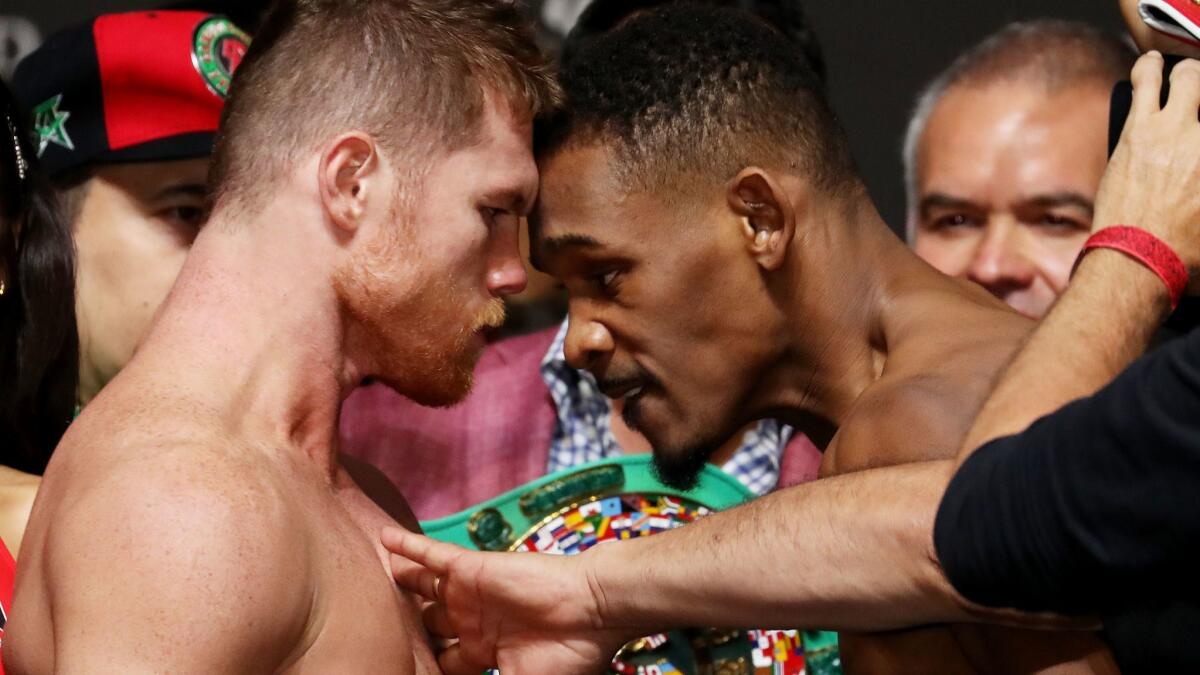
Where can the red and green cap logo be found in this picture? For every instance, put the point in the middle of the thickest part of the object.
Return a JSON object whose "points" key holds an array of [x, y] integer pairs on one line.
{"points": [[218, 48]]}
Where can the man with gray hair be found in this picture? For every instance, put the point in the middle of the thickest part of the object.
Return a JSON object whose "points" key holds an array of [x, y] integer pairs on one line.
{"points": [[1004, 153]]}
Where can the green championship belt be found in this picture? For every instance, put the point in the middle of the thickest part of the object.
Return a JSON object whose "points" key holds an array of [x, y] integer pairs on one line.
{"points": [[570, 511]]}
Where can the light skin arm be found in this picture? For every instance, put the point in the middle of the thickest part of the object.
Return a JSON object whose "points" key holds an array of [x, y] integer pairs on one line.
{"points": [[1114, 304], [173, 578]]}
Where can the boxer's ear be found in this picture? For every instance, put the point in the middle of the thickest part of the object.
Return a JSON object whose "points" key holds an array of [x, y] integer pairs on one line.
{"points": [[766, 217], [348, 178]]}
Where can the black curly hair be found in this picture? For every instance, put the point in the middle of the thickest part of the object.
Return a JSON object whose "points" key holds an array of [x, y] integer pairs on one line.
{"points": [[785, 16], [690, 91]]}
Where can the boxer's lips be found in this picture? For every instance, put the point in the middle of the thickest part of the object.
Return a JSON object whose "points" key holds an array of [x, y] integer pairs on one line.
{"points": [[626, 389]]}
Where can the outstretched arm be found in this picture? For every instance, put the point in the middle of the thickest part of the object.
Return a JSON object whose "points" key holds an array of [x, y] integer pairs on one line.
{"points": [[852, 552]]}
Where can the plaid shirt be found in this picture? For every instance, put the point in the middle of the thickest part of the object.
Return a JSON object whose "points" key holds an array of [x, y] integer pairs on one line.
{"points": [[583, 432]]}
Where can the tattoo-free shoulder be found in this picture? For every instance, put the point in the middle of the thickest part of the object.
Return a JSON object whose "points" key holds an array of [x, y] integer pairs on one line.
{"points": [[178, 555]]}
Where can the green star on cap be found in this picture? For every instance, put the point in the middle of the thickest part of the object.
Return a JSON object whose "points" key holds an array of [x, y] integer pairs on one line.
{"points": [[51, 125]]}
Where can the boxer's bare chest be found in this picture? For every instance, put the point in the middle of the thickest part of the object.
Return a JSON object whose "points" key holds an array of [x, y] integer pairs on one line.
{"points": [[360, 622]]}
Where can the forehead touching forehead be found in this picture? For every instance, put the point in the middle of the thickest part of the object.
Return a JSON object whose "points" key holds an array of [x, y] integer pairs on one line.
{"points": [[574, 186]]}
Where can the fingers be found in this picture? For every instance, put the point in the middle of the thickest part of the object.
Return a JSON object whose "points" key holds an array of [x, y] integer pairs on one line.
{"points": [[437, 621], [413, 578], [1147, 85], [433, 555], [1184, 100], [454, 662]]}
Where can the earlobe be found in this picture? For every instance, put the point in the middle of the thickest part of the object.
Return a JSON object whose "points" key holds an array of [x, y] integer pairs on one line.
{"points": [[765, 213], [346, 173]]}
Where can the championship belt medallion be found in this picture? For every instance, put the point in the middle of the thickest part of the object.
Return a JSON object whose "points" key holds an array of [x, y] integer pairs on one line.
{"points": [[570, 511]]}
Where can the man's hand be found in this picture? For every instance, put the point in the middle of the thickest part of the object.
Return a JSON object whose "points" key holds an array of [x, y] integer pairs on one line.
{"points": [[521, 612], [1152, 179]]}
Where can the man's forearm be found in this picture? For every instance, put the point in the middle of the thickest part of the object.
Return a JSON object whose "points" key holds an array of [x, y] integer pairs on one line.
{"points": [[1100, 325], [850, 552]]}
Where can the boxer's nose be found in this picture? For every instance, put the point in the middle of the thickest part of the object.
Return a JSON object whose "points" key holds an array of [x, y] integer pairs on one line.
{"points": [[506, 271], [588, 342]]}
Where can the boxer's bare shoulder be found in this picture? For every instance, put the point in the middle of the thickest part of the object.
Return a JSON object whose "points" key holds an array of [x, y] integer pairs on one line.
{"points": [[202, 552], [943, 357]]}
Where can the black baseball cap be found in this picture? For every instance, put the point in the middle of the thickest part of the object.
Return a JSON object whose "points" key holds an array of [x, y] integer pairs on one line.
{"points": [[130, 87]]}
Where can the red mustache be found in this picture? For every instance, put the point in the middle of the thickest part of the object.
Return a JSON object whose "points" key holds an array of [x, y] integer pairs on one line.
{"points": [[492, 316]]}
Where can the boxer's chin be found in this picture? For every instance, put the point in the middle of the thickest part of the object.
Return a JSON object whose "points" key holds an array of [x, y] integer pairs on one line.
{"points": [[440, 381], [444, 393], [677, 461], [680, 468]]}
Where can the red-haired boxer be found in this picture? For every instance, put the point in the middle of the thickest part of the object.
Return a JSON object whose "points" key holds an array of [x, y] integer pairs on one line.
{"points": [[373, 162]]}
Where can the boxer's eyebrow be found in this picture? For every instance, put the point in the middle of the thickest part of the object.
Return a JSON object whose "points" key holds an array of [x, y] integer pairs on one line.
{"points": [[557, 246], [182, 190]]}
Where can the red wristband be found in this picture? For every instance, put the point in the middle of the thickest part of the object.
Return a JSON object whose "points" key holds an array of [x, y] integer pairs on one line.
{"points": [[1146, 249]]}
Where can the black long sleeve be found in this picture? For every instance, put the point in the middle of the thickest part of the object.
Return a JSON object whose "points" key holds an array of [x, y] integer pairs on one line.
{"points": [[1095, 509]]}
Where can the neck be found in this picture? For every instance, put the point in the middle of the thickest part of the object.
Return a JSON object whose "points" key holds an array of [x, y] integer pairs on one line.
{"points": [[251, 333], [846, 271]]}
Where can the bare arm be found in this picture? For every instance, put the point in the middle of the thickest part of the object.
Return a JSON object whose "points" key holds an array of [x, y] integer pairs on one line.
{"points": [[829, 554], [173, 576], [850, 552], [1107, 316]]}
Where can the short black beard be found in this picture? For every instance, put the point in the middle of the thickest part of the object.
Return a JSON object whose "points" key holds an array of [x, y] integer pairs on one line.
{"points": [[677, 468], [680, 469]]}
